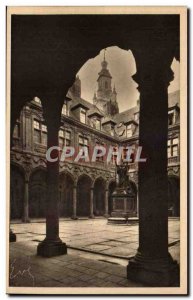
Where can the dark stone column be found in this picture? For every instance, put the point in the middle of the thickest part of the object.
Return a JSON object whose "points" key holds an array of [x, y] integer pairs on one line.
{"points": [[74, 216], [106, 203], [25, 217], [91, 203], [52, 245], [153, 264]]}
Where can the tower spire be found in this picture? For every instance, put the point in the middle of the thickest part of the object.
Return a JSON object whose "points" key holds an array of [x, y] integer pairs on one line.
{"points": [[104, 54]]}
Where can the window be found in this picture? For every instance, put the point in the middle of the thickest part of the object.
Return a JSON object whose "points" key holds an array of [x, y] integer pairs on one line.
{"points": [[36, 124], [37, 131], [171, 117], [44, 138], [106, 85], [98, 124], [64, 138], [129, 132], [44, 128], [136, 116], [101, 158], [83, 115], [65, 109], [173, 147], [40, 133], [16, 132], [83, 142]]}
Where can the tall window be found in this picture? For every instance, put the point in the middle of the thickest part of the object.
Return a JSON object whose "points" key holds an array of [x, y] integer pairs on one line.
{"points": [[173, 147], [83, 115], [44, 134], [64, 138], [65, 109], [37, 131], [129, 132], [16, 132], [83, 142], [40, 132], [101, 158], [106, 85]]}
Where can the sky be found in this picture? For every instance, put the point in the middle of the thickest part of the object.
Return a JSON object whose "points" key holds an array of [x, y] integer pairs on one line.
{"points": [[121, 65]]}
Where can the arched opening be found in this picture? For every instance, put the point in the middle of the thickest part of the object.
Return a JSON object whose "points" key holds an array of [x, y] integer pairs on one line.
{"points": [[99, 197], [83, 196], [112, 187], [37, 194], [17, 182], [173, 196], [66, 195]]}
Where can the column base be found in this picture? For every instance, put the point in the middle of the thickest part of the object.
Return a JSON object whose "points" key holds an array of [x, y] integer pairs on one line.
{"points": [[74, 218], [25, 220], [91, 217], [12, 237], [106, 215], [51, 248], [154, 272]]}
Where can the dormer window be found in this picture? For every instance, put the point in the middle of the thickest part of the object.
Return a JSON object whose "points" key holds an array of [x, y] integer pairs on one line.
{"points": [[65, 109], [171, 117], [136, 117], [98, 124], [129, 132], [83, 116]]}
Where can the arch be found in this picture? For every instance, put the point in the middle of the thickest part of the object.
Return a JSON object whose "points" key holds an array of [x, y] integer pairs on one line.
{"points": [[84, 185], [64, 173], [173, 196], [99, 197], [111, 188], [17, 182], [37, 193], [66, 184]]}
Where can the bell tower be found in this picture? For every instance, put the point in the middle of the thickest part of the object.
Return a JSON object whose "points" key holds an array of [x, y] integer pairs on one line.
{"points": [[104, 98]]}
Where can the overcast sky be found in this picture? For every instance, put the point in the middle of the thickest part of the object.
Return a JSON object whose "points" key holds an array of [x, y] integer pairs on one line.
{"points": [[121, 65]]}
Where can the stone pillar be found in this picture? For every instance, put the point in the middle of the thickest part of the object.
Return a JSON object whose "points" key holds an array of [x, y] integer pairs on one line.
{"points": [[25, 217], [74, 216], [106, 203], [91, 203], [153, 265], [52, 245]]}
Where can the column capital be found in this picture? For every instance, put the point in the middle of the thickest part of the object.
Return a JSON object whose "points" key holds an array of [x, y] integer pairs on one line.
{"points": [[149, 78], [153, 63]]}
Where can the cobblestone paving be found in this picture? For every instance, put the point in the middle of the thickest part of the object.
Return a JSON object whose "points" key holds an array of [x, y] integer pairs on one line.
{"points": [[97, 256]]}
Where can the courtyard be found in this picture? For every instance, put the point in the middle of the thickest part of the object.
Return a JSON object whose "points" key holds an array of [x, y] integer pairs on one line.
{"points": [[98, 253]]}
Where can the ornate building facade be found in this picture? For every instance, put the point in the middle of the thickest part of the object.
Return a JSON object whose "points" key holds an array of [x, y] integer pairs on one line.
{"points": [[85, 187]]}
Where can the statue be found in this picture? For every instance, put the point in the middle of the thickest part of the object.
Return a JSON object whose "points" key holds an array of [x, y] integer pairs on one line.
{"points": [[123, 177]]}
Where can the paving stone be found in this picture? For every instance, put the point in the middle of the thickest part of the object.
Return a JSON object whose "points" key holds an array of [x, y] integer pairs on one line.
{"points": [[82, 269]]}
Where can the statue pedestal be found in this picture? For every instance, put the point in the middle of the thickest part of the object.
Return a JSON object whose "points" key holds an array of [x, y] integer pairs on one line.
{"points": [[123, 207]]}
